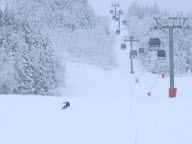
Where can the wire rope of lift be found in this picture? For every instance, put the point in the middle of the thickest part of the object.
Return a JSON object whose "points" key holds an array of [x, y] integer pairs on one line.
{"points": [[149, 93], [149, 32]]}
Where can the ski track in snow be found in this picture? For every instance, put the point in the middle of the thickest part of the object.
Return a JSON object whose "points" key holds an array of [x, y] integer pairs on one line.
{"points": [[107, 107]]}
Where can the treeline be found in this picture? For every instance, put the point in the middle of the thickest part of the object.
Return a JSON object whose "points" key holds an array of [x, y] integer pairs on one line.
{"points": [[140, 21], [38, 37]]}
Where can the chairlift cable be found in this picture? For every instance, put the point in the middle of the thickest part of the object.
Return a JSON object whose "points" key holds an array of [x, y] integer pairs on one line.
{"points": [[155, 83]]}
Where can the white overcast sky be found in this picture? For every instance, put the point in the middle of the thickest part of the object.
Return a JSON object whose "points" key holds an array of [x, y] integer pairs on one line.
{"points": [[102, 6]]}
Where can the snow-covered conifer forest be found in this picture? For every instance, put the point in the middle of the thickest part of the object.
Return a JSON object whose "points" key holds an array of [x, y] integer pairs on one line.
{"points": [[39, 37]]}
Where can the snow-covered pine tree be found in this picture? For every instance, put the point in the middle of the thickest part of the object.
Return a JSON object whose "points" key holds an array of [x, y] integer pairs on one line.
{"points": [[27, 56], [8, 44]]}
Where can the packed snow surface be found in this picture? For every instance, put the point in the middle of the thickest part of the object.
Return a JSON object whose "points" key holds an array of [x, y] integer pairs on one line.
{"points": [[107, 107]]}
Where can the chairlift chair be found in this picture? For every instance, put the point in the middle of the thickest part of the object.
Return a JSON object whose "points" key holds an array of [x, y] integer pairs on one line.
{"points": [[133, 54], [124, 22], [113, 17], [123, 46], [117, 32], [117, 19], [154, 44], [111, 11], [161, 55], [141, 50]]}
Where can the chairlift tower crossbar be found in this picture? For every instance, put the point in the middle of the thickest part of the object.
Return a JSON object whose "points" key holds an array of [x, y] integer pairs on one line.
{"points": [[171, 23]]}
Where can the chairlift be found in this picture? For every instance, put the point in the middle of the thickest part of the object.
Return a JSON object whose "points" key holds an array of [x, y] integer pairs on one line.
{"points": [[141, 50], [117, 32], [111, 11], [154, 44], [123, 46], [133, 54], [117, 19], [113, 17], [124, 22], [161, 55]]}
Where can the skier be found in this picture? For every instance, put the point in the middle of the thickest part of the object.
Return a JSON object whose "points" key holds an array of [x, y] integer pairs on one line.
{"points": [[67, 104]]}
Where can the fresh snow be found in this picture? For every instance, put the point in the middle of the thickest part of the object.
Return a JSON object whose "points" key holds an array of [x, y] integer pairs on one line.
{"points": [[107, 107]]}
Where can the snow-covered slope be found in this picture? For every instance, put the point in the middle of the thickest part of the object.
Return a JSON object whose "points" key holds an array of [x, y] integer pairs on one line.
{"points": [[107, 107]]}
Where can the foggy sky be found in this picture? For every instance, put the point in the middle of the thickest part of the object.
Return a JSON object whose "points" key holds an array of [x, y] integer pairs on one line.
{"points": [[172, 5], [102, 6]]}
